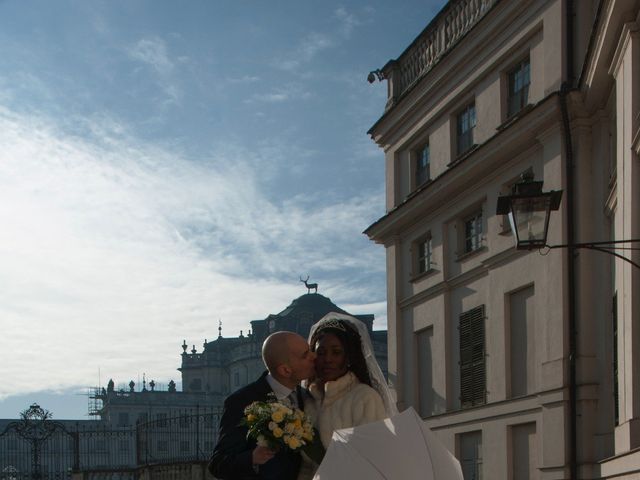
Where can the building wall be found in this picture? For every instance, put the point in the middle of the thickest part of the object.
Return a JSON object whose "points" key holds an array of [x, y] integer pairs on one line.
{"points": [[523, 430]]}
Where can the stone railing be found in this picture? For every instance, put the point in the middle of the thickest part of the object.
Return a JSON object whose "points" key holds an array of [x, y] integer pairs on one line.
{"points": [[454, 21]]}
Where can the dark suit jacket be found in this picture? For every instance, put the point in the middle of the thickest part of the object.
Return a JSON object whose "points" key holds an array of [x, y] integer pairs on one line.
{"points": [[231, 458]]}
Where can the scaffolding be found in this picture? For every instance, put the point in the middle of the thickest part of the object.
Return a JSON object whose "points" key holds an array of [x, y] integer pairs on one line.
{"points": [[96, 399]]}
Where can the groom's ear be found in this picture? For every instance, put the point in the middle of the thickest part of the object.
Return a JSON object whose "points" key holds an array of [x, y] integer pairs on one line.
{"points": [[284, 370]]}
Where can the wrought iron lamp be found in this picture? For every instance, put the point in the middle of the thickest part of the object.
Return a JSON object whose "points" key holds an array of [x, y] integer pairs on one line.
{"points": [[529, 209]]}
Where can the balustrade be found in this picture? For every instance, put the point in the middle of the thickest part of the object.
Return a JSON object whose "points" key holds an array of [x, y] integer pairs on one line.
{"points": [[435, 41]]}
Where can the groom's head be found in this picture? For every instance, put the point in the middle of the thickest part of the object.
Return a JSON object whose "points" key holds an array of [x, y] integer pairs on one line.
{"points": [[288, 358]]}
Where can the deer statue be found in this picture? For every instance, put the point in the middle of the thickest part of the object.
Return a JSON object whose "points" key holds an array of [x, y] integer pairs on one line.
{"points": [[309, 285]]}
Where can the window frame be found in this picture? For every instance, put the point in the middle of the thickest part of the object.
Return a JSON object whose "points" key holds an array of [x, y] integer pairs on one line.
{"points": [[424, 259], [474, 240], [417, 154], [465, 138], [477, 460], [512, 94]]}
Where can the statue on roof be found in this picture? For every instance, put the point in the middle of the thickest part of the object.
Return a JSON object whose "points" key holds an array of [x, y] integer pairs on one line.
{"points": [[309, 286]]}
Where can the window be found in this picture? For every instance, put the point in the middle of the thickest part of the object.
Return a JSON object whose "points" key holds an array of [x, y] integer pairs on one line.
{"points": [[423, 255], [466, 122], [519, 80], [123, 419], [422, 165], [161, 419], [473, 232], [236, 379], [424, 340], [472, 358], [523, 452], [123, 445], [522, 337], [471, 455], [163, 445], [184, 446]]}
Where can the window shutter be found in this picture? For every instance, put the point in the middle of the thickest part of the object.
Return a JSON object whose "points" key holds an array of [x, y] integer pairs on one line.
{"points": [[472, 358]]}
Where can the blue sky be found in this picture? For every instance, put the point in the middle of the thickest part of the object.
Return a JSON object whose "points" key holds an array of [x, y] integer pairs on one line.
{"points": [[165, 165]]}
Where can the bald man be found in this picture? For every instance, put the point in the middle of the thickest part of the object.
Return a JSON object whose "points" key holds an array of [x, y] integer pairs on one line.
{"points": [[289, 361]]}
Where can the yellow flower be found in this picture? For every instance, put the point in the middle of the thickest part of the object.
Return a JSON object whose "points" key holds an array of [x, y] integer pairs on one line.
{"points": [[297, 423], [289, 427], [294, 443], [277, 432], [251, 418], [277, 416]]}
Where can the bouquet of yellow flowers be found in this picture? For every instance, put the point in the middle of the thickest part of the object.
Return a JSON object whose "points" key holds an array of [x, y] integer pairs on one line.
{"points": [[275, 425]]}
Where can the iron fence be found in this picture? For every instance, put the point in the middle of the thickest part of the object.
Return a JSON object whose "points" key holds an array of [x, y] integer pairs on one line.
{"points": [[187, 437], [38, 448]]}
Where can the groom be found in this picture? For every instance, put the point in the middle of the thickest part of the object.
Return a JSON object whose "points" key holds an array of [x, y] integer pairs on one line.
{"points": [[289, 360]]}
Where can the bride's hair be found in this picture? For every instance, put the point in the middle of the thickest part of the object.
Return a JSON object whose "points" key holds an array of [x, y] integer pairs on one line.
{"points": [[352, 344]]}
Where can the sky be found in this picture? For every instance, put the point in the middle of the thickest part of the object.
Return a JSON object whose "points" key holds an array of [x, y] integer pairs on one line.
{"points": [[165, 166]]}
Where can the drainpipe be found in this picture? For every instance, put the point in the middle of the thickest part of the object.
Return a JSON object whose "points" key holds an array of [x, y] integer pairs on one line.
{"points": [[571, 280], [567, 85]]}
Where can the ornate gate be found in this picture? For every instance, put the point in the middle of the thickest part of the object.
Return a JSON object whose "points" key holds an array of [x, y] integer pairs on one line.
{"points": [[37, 448]]}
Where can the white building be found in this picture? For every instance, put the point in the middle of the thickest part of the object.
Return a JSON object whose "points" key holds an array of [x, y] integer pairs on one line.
{"points": [[522, 363]]}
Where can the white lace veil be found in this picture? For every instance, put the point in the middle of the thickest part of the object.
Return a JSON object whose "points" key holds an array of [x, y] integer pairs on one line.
{"points": [[378, 381]]}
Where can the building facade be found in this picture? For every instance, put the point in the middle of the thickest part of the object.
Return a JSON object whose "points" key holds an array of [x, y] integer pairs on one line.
{"points": [[521, 361]]}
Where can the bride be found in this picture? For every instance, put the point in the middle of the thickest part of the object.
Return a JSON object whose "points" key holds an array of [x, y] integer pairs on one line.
{"points": [[348, 388]]}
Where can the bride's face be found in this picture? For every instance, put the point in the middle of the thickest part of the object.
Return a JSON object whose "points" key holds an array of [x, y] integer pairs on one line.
{"points": [[331, 358]]}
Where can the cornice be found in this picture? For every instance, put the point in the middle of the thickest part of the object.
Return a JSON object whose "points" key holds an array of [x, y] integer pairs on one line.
{"points": [[597, 49], [482, 270], [629, 31], [452, 72], [487, 159]]}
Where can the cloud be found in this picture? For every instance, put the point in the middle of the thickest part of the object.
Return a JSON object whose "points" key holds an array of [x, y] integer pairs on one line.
{"points": [[244, 79], [273, 97], [316, 42], [308, 48], [347, 20], [153, 52], [291, 91], [115, 250]]}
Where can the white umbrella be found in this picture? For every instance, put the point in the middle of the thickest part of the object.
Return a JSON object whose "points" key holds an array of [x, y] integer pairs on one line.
{"points": [[401, 447]]}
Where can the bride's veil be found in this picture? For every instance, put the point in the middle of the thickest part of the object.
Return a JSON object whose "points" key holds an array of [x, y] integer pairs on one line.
{"points": [[378, 381]]}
